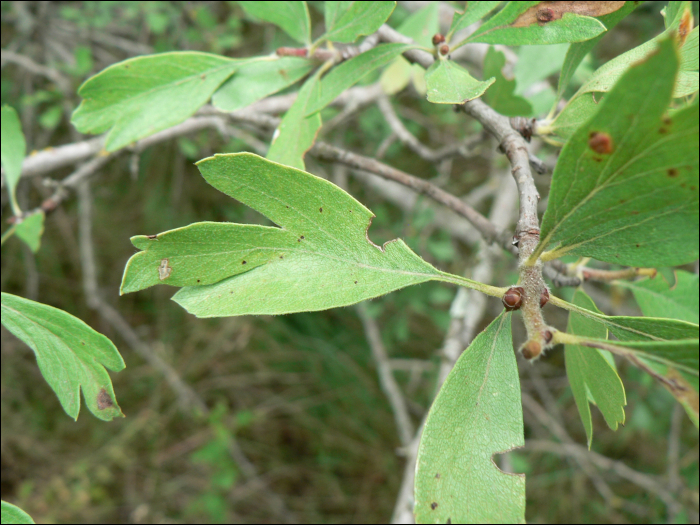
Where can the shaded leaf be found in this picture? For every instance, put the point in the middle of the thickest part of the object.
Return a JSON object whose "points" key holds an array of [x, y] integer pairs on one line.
{"points": [[656, 298], [12, 149], [472, 12], [609, 73], [31, 229], [352, 71], [290, 16], [572, 117], [319, 258], [591, 371], [257, 80], [133, 102], [449, 83], [70, 355], [523, 23], [625, 187], [422, 25], [297, 131], [333, 11], [360, 18], [476, 414], [501, 96], [579, 50], [13, 514]]}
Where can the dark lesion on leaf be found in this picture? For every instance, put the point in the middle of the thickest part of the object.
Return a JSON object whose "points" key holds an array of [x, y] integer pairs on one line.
{"points": [[545, 12], [600, 142], [104, 400], [433, 505]]}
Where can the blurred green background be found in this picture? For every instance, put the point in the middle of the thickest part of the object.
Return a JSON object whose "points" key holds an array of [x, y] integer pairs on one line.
{"points": [[296, 397]]}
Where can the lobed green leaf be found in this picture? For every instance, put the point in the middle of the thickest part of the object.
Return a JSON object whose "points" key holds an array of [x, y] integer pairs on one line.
{"points": [[450, 83], [501, 96], [257, 80], [591, 371], [70, 355], [352, 71], [318, 258], [625, 188], [523, 23], [30, 230], [143, 95], [297, 132], [656, 298], [476, 414]]}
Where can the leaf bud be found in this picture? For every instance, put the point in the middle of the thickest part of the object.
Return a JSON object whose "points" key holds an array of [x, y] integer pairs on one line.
{"points": [[531, 349], [438, 39], [444, 49], [544, 297], [513, 298]]}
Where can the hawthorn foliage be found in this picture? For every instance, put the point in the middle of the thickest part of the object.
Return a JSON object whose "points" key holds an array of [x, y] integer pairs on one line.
{"points": [[624, 191]]}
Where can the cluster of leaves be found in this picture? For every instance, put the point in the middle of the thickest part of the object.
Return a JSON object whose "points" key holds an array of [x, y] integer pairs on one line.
{"points": [[624, 191]]}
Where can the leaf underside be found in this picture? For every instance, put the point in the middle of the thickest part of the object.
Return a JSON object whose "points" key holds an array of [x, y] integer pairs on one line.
{"points": [[318, 258], [476, 414]]}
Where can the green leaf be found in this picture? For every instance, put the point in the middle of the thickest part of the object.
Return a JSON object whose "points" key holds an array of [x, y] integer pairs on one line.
{"points": [[449, 83], [12, 149], [578, 110], [297, 132], [422, 25], [257, 80], [674, 364], [31, 229], [476, 414], [13, 514], [143, 95], [352, 71], [625, 187], [579, 50], [360, 18], [609, 73], [501, 95], [656, 298], [70, 355], [290, 16], [319, 258], [591, 371], [333, 11], [472, 12], [520, 23], [635, 328]]}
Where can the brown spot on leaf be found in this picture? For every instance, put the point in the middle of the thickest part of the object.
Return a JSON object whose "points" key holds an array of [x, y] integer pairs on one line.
{"points": [[104, 400], [600, 142], [243, 262], [302, 236], [545, 12], [152, 237], [434, 505], [637, 245], [320, 210], [437, 475], [198, 280], [203, 77], [685, 27], [672, 172], [355, 282], [545, 15], [281, 256]]}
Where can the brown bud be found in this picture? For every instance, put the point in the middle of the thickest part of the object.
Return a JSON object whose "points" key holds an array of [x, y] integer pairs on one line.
{"points": [[544, 297], [531, 349], [444, 49], [513, 298], [438, 39]]}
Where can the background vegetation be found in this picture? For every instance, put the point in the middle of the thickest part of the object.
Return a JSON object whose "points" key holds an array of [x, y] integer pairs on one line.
{"points": [[299, 428]]}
